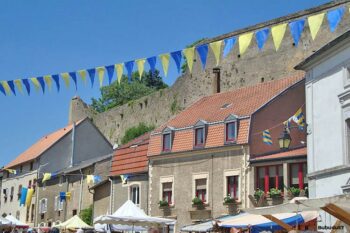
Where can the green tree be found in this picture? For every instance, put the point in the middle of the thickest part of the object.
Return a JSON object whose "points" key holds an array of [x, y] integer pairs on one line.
{"points": [[86, 215], [184, 66], [135, 132], [118, 94]]}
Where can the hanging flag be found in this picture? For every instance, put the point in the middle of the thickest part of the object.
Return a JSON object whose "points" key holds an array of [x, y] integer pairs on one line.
{"points": [[97, 179], [11, 171], [189, 55], [202, 51], [47, 176], [23, 196], [315, 22], [100, 73], [278, 32], [140, 66], [164, 58], [334, 17], [6, 87], [124, 178], [35, 83], [90, 179], [42, 83], [152, 61], [12, 86], [129, 67], [56, 78], [267, 137], [287, 124], [177, 56], [244, 41], [18, 84], [92, 73], [261, 37], [119, 67], [68, 195], [29, 197], [73, 75], [2, 89], [65, 77], [296, 28], [229, 44], [216, 48], [82, 74], [27, 85], [299, 118], [48, 81], [62, 196], [110, 72]]}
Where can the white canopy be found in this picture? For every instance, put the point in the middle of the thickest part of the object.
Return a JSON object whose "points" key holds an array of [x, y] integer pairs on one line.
{"points": [[4, 222], [131, 215], [104, 228], [15, 222], [74, 223]]}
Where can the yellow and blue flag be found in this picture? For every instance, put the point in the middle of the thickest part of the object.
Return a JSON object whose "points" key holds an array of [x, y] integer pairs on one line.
{"points": [[12, 171], [267, 137], [299, 118]]}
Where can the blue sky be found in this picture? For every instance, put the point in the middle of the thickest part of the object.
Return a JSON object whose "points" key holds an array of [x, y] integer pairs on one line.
{"points": [[42, 37]]}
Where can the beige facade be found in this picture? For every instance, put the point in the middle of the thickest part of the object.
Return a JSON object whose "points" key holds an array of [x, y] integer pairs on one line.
{"points": [[183, 170], [102, 199]]}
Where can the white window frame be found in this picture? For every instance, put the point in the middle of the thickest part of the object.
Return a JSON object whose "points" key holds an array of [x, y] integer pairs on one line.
{"points": [[167, 179], [58, 204], [198, 176], [232, 172], [41, 209], [140, 193]]}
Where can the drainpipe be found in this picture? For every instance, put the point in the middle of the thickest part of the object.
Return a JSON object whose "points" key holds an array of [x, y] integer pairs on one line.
{"points": [[212, 186], [111, 196], [81, 190]]}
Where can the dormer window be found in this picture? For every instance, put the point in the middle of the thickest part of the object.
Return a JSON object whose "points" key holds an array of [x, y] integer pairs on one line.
{"points": [[167, 139], [200, 133], [231, 129]]}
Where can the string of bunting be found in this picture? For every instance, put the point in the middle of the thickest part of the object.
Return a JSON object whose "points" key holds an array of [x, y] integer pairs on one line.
{"points": [[296, 27]]}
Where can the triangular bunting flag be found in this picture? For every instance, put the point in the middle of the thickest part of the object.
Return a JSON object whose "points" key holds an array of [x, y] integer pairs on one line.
{"points": [[119, 67], [244, 41], [110, 72], [92, 73], [48, 81], [177, 56], [216, 47], [35, 83], [164, 58], [129, 67], [315, 22], [152, 61], [140, 66], [202, 51], [82, 74], [229, 44], [2, 89], [6, 87], [56, 78], [19, 86], [267, 137], [73, 75], [42, 83], [334, 17], [278, 32], [261, 37], [65, 77], [12, 86], [296, 28], [100, 74], [27, 85], [189, 54], [29, 197]]}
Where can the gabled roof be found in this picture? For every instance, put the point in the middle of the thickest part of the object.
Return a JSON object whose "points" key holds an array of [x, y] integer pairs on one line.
{"points": [[131, 157], [41, 146]]}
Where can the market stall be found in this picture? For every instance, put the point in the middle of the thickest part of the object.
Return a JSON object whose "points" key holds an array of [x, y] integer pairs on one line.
{"points": [[74, 223]]}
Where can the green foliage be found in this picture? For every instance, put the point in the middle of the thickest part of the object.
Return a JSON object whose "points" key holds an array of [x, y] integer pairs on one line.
{"points": [[163, 203], [184, 65], [258, 194], [295, 191], [275, 193], [118, 94], [174, 107], [86, 215], [135, 132], [228, 199], [197, 201]]}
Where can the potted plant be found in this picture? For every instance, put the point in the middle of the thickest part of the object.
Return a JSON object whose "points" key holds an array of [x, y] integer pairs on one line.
{"points": [[164, 206], [294, 191], [197, 202], [258, 194], [231, 204], [163, 203], [276, 195]]}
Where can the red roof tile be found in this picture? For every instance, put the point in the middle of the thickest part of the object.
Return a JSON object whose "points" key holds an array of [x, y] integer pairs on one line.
{"points": [[41, 146], [131, 157], [282, 155]]}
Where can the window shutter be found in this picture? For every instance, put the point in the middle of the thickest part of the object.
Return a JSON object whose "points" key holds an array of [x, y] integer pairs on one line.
{"points": [[56, 200], [167, 187], [201, 184], [41, 206], [45, 205]]}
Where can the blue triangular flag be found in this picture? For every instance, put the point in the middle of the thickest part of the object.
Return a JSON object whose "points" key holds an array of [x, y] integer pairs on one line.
{"points": [[92, 73], [27, 85], [129, 67], [12, 86], [229, 44], [261, 37], [334, 17], [97, 179], [23, 195], [2, 89], [73, 75], [152, 61], [296, 28], [110, 72], [62, 196], [56, 78], [177, 56], [203, 52], [42, 83]]}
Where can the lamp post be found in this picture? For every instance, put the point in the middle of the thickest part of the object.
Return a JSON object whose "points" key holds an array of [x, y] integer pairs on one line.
{"points": [[284, 140]]}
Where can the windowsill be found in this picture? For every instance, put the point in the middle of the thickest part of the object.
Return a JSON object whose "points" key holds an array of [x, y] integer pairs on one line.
{"points": [[166, 151], [168, 206], [203, 205], [198, 147], [230, 142]]}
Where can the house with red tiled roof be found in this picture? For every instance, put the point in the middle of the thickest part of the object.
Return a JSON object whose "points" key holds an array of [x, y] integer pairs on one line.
{"points": [[204, 154], [128, 177], [54, 153]]}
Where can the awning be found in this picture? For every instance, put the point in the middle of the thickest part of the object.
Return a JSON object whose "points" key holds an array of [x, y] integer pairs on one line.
{"points": [[284, 155]]}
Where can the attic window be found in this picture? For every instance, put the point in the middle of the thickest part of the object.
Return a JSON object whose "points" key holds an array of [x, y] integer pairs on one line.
{"points": [[225, 106]]}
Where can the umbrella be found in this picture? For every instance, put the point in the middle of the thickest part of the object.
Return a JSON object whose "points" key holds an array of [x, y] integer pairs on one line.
{"points": [[15, 222], [74, 223]]}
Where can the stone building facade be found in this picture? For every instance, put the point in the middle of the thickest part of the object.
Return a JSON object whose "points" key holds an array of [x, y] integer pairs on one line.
{"points": [[235, 71]]}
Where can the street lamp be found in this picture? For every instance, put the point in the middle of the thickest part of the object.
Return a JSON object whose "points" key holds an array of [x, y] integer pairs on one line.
{"points": [[284, 140]]}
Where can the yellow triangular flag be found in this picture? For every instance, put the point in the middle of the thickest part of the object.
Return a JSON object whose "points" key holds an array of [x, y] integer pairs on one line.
{"points": [[29, 197], [278, 32], [6, 87], [189, 54], [35, 83], [119, 68], [48, 81], [315, 22], [82, 74], [18, 84], [164, 58], [65, 77], [101, 74], [244, 42], [140, 66], [216, 47]]}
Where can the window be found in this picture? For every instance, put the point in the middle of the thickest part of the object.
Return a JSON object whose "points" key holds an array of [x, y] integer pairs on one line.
{"points": [[12, 193], [167, 192], [34, 184], [21, 169], [19, 191], [270, 177], [232, 186], [29, 184], [201, 189], [31, 166], [74, 212], [135, 194], [166, 142], [231, 132], [5, 192], [32, 213], [43, 206], [199, 137], [58, 204], [298, 175]]}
